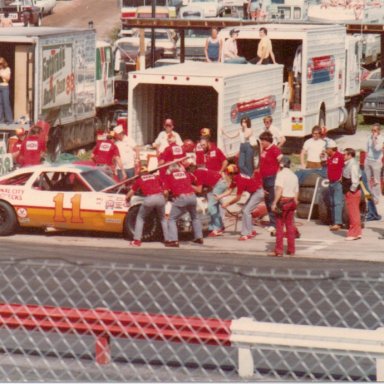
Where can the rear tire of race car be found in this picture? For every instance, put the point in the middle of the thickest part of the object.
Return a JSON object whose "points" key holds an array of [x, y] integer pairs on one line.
{"points": [[306, 194], [152, 227], [302, 211], [310, 180], [8, 220], [351, 123]]}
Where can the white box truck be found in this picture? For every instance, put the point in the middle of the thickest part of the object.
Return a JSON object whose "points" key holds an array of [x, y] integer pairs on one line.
{"points": [[321, 73], [61, 76], [197, 95]]}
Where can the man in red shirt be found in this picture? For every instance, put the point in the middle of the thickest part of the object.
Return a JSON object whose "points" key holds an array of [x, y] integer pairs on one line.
{"points": [[210, 156], [151, 187], [269, 166], [335, 164], [179, 183], [244, 183], [15, 150], [216, 185], [32, 149], [106, 153]]}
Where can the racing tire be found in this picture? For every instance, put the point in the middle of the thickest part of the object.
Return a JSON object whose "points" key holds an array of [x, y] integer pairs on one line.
{"points": [[310, 180], [350, 126], [8, 219], [306, 194], [324, 208], [152, 228], [302, 211]]}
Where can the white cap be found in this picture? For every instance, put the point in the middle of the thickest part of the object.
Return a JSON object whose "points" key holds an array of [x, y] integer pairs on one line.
{"points": [[118, 129], [329, 143]]}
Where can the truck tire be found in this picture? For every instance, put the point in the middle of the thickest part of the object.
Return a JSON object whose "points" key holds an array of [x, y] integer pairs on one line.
{"points": [[324, 207], [310, 180], [306, 194], [351, 123], [152, 227], [302, 211], [8, 219]]}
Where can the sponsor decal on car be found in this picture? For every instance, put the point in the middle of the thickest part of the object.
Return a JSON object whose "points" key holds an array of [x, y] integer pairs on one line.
{"points": [[22, 213], [253, 109], [11, 193]]}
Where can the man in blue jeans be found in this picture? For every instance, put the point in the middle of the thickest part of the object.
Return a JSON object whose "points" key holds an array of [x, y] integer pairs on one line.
{"points": [[335, 164]]}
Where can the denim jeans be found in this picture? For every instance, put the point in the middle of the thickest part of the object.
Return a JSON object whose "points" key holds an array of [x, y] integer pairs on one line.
{"points": [[372, 213], [253, 201], [336, 199], [269, 188], [5, 105], [214, 206], [246, 159], [236, 60], [130, 172]]}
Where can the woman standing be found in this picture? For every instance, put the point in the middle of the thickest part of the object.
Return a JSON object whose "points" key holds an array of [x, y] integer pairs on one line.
{"points": [[213, 47], [5, 105]]}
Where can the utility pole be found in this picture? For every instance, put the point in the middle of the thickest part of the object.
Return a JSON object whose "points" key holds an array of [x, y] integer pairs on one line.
{"points": [[153, 35]]}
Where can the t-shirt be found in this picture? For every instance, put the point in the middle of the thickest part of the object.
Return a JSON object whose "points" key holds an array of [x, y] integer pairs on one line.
{"points": [[179, 182], [127, 151], [172, 152], [31, 150], [276, 134], [269, 163], [207, 177], [375, 148], [213, 159], [162, 140], [335, 165], [288, 181], [105, 151], [245, 183], [229, 49], [199, 152], [314, 149], [148, 184]]}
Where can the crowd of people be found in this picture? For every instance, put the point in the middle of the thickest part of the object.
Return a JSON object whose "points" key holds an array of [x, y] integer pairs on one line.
{"points": [[187, 169]]}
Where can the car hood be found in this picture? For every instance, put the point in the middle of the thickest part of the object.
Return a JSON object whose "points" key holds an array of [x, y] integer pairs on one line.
{"points": [[375, 96]]}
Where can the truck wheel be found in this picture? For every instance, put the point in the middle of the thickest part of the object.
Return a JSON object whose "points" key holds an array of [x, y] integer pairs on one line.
{"points": [[8, 220], [302, 211], [351, 123], [152, 228]]}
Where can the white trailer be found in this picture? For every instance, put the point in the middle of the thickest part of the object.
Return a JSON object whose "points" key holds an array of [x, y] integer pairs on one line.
{"points": [[197, 95], [321, 73]]}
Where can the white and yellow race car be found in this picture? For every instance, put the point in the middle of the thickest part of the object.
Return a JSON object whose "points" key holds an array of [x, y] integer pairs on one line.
{"points": [[72, 197]]}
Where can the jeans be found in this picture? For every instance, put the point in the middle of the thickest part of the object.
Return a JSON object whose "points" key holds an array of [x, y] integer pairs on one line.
{"points": [[180, 205], [372, 169], [5, 105], [372, 213], [214, 206], [253, 201], [269, 188], [246, 159], [152, 202], [236, 60], [130, 172], [336, 199]]}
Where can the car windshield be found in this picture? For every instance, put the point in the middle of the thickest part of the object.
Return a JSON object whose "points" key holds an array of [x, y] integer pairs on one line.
{"points": [[196, 33], [97, 179], [128, 46]]}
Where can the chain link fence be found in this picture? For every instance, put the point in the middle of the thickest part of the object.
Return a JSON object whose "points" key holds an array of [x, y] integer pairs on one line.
{"points": [[337, 299]]}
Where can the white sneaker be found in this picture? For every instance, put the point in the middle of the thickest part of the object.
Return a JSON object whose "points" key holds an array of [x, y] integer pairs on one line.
{"points": [[271, 229], [350, 238]]}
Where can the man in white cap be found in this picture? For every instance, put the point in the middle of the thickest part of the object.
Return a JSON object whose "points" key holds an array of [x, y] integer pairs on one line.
{"points": [[230, 53], [335, 164], [161, 141], [129, 151]]}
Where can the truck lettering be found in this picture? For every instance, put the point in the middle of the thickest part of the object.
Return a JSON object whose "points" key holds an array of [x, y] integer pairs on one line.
{"points": [[54, 63]]}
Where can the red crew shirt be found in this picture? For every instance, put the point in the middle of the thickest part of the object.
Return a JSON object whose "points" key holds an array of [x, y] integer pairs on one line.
{"points": [[105, 151], [172, 152], [269, 164], [179, 182], [148, 184], [335, 165], [200, 155], [246, 183], [207, 177], [30, 151]]}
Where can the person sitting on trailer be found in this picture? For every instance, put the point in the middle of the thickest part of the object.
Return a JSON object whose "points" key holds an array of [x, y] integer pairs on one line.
{"points": [[230, 52], [32, 149], [161, 141], [151, 186], [6, 21]]}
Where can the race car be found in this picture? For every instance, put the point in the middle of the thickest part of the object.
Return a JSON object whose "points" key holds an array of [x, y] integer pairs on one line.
{"points": [[74, 197]]}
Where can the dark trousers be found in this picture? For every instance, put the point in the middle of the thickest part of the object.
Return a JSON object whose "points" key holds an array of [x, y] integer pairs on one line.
{"points": [[246, 159], [269, 188]]}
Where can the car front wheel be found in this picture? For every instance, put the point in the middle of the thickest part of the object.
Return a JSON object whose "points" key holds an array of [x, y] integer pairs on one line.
{"points": [[8, 220]]}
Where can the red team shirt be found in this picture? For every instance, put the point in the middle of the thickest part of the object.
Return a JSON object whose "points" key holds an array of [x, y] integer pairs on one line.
{"points": [[335, 165], [105, 151], [246, 183], [207, 177], [148, 184], [179, 182], [212, 159], [30, 151], [172, 152], [269, 164]]}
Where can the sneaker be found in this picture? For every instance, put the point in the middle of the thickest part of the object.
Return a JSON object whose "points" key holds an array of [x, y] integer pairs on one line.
{"points": [[245, 237], [215, 233], [172, 244], [198, 241], [275, 254], [135, 243], [350, 238], [335, 227]]}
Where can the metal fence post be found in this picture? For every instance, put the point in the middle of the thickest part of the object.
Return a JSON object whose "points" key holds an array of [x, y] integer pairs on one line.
{"points": [[246, 363], [103, 350]]}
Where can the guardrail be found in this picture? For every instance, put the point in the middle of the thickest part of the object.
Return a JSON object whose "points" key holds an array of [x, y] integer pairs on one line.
{"points": [[243, 333]]}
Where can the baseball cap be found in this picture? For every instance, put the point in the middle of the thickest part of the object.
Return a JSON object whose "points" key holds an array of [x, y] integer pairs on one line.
{"points": [[329, 143], [232, 169], [233, 31], [118, 129], [205, 132]]}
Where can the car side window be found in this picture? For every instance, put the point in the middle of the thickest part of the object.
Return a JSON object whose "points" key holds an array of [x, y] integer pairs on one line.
{"points": [[17, 180], [68, 182]]}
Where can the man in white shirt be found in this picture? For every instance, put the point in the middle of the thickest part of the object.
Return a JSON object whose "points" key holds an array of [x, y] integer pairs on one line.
{"points": [[230, 53], [313, 148], [161, 141], [278, 138], [284, 206], [129, 151]]}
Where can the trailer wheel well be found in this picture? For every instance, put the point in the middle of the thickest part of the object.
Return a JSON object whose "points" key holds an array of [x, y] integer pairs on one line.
{"points": [[322, 115]]}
